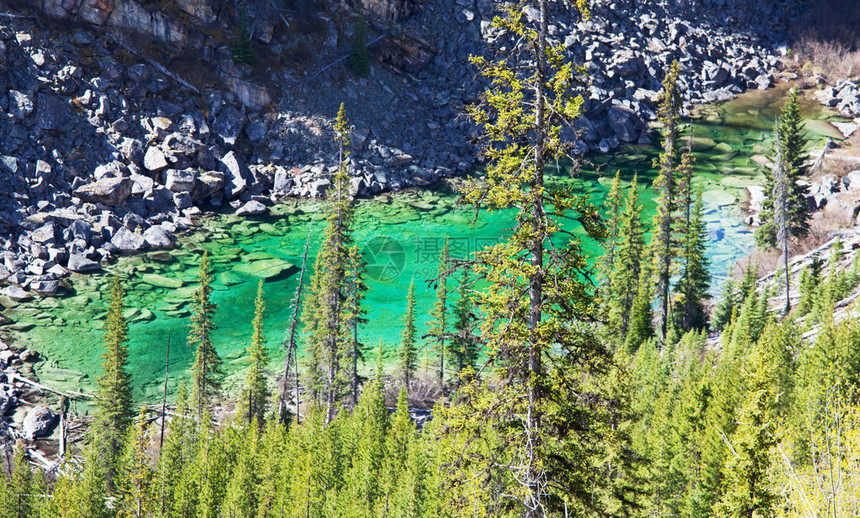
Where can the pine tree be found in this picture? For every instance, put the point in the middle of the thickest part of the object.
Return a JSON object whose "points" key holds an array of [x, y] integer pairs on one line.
{"points": [[114, 411], [612, 214], [438, 325], [135, 494], [366, 474], [726, 305], [176, 454], [695, 279], [662, 243], [750, 491], [538, 307], [255, 393], [464, 345], [327, 314], [355, 315], [627, 264], [243, 49], [640, 327], [206, 371], [240, 498], [792, 143], [22, 485], [407, 354], [358, 59]]}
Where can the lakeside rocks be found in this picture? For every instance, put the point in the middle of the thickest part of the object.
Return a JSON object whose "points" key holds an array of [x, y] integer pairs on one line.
{"points": [[101, 158]]}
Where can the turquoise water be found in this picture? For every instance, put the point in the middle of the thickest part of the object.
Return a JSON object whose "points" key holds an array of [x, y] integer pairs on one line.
{"points": [[401, 235]]}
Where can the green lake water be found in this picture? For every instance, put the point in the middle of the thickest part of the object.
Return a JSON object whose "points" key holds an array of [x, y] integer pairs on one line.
{"points": [[401, 235]]}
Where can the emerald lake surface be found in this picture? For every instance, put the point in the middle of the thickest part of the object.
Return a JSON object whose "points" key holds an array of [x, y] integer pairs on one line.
{"points": [[401, 235]]}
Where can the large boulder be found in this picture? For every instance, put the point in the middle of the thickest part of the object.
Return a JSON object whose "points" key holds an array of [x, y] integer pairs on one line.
{"points": [[80, 263], [180, 143], [158, 237], [38, 423], [154, 159], [180, 181], [128, 241], [108, 191], [252, 208], [236, 175]]}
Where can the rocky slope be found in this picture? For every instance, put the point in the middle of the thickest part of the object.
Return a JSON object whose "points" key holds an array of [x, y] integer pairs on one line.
{"points": [[125, 120]]}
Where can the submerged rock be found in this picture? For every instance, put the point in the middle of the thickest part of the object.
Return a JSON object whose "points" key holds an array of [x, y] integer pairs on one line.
{"points": [[161, 281], [264, 269]]}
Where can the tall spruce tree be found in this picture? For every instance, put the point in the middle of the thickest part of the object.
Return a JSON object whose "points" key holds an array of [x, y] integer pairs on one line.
{"points": [[750, 491], [662, 242], [438, 325], [627, 264], [695, 279], [353, 350], [327, 314], [464, 345], [538, 306], [407, 354], [136, 496], [255, 391], [206, 372], [792, 146], [114, 411], [612, 215]]}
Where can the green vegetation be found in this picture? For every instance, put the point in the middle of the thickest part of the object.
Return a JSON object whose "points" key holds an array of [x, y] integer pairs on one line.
{"points": [[206, 371], [792, 144], [566, 396], [358, 60]]}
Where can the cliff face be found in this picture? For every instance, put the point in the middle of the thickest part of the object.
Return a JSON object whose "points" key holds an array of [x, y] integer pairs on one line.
{"points": [[129, 15]]}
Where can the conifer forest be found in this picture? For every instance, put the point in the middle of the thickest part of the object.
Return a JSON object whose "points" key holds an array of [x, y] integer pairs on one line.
{"points": [[659, 317]]}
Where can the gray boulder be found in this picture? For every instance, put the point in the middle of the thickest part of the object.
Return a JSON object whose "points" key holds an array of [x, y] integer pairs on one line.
{"points": [[128, 241], [46, 234], [181, 143], [80, 263], [154, 159], [132, 150], [283, 181], [38, 423], [236, 175], [180, 181], [109, 191], [53, 113], [48, 286], [210, 184], [158, 237], [17, 293], [252, 208]]}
